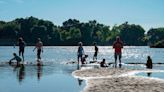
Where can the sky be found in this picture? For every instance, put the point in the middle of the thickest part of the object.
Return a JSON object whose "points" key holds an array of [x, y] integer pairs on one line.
{"points": [[147, 13]]}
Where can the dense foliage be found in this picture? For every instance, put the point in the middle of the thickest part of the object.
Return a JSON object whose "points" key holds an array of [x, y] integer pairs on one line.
{"points": [[72, 31]]}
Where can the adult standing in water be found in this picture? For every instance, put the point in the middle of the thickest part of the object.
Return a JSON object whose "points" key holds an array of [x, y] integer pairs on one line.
{"points": [[96, 51], [39, 46], [22, 45], [80, 52], [118, 45], [149, 63]]}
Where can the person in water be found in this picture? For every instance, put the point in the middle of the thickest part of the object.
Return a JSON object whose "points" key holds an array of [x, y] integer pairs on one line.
{"points": [[103, 63], [39, 46], [80, 52], [96, 51], [21, 44], [118, 45], [149, 63], [83, 61], [17, 58]]}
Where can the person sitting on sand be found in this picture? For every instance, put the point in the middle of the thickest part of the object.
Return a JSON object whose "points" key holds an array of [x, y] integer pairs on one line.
{"points": [[103, 63], [80, 51], [83, 61], [118, 45], [149, 64], [17, 58]]}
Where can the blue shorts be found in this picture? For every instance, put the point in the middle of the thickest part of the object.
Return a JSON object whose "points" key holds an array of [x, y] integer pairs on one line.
{"points": [[80, 55]]}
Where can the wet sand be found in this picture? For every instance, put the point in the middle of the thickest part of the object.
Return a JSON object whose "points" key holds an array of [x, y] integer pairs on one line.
{"points": [[118, 80]]}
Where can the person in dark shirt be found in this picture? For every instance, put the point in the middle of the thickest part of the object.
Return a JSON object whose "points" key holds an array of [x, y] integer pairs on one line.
{"points": [[17, 58], [21, 44], [96, 52], [103, 63], [149, 63]]}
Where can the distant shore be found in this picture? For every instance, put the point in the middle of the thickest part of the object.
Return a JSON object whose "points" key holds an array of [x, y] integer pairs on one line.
{"points": [[118, 80]]}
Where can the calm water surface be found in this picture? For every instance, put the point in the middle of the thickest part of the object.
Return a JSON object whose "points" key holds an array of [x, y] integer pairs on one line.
{"points": [[152, 74], [56, 76]]}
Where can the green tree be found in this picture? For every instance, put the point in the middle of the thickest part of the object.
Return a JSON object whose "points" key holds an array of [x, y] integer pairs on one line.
{"points": [[155, 35], [132, 34], [39, 32]]}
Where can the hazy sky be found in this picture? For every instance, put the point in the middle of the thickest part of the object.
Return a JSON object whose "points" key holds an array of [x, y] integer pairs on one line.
{"points": [[148, 13]]}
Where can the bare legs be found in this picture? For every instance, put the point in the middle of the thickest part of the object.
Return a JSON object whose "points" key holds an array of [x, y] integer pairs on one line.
{"points": [[94, 58], [115, 56], [21, 53], [79, 58]]}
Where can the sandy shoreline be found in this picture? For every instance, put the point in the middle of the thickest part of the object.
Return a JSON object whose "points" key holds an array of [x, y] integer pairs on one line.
{"points": [[117, 80]]}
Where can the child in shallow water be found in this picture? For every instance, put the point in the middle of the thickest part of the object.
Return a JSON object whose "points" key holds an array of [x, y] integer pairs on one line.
{"points": [[17, 58], [149, 63]]}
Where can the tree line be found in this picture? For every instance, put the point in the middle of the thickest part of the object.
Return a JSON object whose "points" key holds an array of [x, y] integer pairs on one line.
{"points": [[72, 31]]}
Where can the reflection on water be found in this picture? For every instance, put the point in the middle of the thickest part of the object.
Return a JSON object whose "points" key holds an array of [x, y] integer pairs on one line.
{"points": [[152, 74], [20, 70], [21, 74], [149, 74], [33, 78], [80, 81], [39, 72]]}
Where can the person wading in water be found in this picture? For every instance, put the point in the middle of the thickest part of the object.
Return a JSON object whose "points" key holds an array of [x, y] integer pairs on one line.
{"points": [[118, 45]]}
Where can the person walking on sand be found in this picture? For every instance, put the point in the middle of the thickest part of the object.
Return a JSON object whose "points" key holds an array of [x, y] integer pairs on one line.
{"points": [[118, 45], [39, 46], [21, 45], [80, 52], [96, 51]]}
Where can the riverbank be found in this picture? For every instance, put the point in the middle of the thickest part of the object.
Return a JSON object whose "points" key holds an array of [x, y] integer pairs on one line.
{"points": [[118, 80]]}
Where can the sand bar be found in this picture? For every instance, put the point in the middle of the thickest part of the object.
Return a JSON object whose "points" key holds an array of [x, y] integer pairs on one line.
{"points": [[111, 80]]}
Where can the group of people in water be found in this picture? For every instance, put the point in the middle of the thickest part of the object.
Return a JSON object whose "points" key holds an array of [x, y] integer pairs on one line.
{"points": [[19, 66], [117, 45], [81, 56], [22, 44]]}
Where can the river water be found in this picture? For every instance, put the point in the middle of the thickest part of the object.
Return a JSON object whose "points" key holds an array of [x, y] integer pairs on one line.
{"points": [[56, 75]]}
